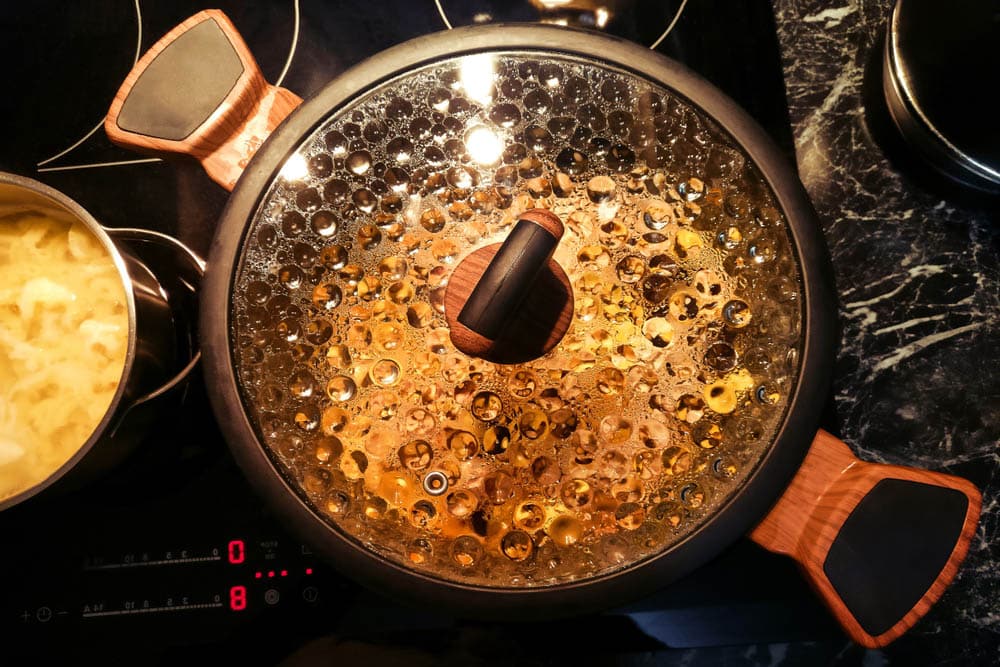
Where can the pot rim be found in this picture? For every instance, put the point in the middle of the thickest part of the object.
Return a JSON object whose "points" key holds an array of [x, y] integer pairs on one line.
{"points": [[735, 517], [78, 212]]}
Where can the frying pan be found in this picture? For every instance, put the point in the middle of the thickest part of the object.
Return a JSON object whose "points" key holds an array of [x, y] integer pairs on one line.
{"points": [[879, 543]]}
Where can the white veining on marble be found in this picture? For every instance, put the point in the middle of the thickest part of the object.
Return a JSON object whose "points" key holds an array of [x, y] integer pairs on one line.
{"points": [[918, 345], [908, 323], [915, 272], [832, 16]]}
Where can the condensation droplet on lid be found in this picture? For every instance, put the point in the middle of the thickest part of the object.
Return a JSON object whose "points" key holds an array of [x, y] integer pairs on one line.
{"points": [[398, 108], [721, 356], [631, 269], [419, 551], [736, 313], [659, 331], [516, 545], [302, 384], [690, 408], [466, 551], [336, 143], [600, 188], [318, 331], [677, 460], [289, 329], [707, 435], [620, 158], [336, 192], [522, 383], [486, 406], [364, 199], [533, 424], [653, 434], [630, 515], [498, 486], [341, 388], [382, 404], [419, 315], [307, 417], [337, 503], [767, 394], [463, 445], [505, 115], [529, 167], [432, 220], [323, 223], [359, 162], [614, 91], [461, 503], [529, 516], [438, 99], [576, 493], [564, 422], [419, 420], [538, 102], [334, 420], [384, 372], [565, 530], [563, 185], [422, 513], [610, 381], [338, 357]]}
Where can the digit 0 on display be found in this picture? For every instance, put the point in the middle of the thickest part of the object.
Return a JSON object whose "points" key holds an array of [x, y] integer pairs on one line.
{"points": [[237, 552]]}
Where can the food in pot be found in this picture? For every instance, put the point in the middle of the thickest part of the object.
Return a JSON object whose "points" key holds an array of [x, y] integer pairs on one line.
{"points": [[629, 434], [63, 341]]}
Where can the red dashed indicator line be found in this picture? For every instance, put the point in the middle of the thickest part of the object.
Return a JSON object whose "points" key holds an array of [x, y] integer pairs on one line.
{"points": [[272, 574]]}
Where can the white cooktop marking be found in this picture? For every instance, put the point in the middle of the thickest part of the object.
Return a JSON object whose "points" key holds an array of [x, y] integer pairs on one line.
{"points": [[291, 49], [677, 16], [135, 59]]}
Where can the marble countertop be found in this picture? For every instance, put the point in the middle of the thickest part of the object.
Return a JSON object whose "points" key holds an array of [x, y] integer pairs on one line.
{"points": [[918, 277]]}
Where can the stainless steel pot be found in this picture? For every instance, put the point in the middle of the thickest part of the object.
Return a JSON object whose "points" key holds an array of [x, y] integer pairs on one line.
{"points": [[153, 356]]}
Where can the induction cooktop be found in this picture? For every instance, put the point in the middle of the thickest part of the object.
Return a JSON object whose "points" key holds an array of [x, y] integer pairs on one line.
{"points": [[172, 552]]}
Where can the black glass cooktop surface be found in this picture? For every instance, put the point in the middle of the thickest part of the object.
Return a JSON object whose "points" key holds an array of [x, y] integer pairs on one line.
{"points": [[172, 551]]}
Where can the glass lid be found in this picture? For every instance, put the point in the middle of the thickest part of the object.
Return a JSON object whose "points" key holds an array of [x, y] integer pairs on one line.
{"points": [[650, 411]]}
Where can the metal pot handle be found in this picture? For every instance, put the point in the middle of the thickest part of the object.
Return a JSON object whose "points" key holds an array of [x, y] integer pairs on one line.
{"points": [[193, 269], [198, 91]]}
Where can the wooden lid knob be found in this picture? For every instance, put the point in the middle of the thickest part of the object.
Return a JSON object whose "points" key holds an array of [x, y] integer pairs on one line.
{"points": [[511, 302]]}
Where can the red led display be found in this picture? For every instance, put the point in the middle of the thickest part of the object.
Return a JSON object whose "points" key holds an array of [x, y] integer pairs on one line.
{"points": [[238, 598], [237, 552]]}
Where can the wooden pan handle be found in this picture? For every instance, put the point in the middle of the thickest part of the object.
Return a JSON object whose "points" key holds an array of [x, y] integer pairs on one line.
{"points": [[879, 543], [198, 91]]}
